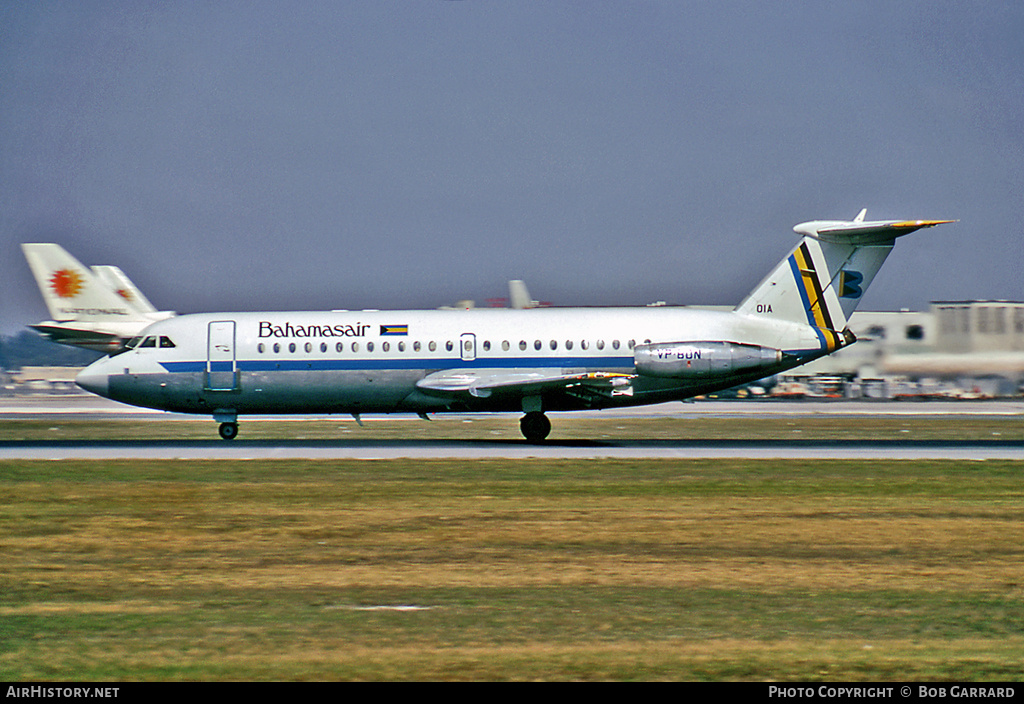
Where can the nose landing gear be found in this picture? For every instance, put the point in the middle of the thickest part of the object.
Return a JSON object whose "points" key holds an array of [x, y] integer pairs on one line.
{"points": [[228, 419]]}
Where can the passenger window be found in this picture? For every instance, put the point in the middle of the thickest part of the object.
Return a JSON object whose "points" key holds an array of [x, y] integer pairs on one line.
{"points": [[401, 347], [291, 346], [568, 344], [355, 346], [487, 345], [260, 348], [615, 344], [369, 347], [385, 346], [585, 344], [433, 346], [522, 344], [339, 347], [537, 344], [448, 345], [600, 344], [323, 347], [631, 344], [416, 346], [505, 345], [309, 347], [554, 345], [277, 347]]}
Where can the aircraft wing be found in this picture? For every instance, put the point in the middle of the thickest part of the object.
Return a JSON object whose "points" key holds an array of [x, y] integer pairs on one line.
{"points": [[98, 340], [523, 382]]}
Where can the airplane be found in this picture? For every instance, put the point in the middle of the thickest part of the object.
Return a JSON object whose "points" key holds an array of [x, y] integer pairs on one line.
{"points": [[119, 283], [98, 309], [533, 360], [519, 296]]}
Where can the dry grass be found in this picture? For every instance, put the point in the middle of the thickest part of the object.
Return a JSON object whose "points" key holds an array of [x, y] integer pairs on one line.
{"points": [[522, 570]]}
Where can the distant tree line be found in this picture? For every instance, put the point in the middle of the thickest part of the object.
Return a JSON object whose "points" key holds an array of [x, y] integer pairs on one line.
{"points": [[29, 349]]}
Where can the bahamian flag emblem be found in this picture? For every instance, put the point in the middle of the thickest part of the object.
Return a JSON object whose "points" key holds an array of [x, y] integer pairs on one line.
{"points": [[394, 329]]}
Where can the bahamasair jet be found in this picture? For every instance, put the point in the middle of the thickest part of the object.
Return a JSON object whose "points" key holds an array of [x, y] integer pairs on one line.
{"points": [[98, 309], [529, 360]]}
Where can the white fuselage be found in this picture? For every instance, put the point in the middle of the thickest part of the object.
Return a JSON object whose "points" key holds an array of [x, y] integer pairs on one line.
{"points": [[371, 361]]}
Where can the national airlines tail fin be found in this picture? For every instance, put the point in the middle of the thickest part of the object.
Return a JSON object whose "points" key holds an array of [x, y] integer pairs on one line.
{"points": [[822, 279], [70, 290], [119, 283]]}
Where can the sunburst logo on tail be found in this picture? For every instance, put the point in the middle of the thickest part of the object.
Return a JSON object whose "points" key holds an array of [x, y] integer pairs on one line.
{"points": [[66, 283], [125, 294]]}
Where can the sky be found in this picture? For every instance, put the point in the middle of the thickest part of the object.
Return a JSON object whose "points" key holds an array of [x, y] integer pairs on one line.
{"points": [[236, 156]]}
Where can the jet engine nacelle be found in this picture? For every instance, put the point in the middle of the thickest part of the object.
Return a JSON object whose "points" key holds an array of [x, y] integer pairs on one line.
{"points": [[685, 360]]}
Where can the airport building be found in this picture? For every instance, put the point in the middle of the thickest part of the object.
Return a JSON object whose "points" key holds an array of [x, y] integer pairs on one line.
{"points": [[956, 348], [40, 380]]}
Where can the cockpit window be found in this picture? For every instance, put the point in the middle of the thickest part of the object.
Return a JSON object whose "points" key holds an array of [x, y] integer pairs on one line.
{"points": [[165, 342], [133, 343], [149, 342]]}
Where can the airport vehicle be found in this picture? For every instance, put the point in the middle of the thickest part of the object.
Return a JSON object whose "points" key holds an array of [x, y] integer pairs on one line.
{"points": [[533, 360], [98, 309]]}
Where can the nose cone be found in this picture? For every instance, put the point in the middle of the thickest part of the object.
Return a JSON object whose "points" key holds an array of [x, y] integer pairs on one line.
{"points": [[94, 380]]}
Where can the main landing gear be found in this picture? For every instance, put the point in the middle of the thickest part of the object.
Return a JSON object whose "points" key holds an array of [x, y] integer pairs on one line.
{"points": [[535, 427], [228, 431]]}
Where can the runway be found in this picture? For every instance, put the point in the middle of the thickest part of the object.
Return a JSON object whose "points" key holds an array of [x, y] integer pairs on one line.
{"points": [[85, 406], [510, 449], [353, 447]]}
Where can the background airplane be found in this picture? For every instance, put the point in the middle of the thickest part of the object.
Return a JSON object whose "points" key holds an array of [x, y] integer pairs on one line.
{"points": [[518, 297], [503, 359], [119, 283], [98, 309]]}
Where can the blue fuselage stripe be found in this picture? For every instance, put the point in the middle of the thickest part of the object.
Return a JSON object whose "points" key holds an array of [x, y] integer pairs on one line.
{"points": [[270, 365]]}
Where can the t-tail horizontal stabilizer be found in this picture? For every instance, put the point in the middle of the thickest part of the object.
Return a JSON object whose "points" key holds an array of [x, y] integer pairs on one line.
{"points": [[822, 280], [860, 232]]}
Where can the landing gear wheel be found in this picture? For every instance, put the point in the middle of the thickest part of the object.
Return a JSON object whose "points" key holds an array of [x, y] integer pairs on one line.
{"points": [[228, 431], [535, 427]]}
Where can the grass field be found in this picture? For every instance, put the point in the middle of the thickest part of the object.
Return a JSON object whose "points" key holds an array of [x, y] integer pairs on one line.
{"points": [[533, 569]]}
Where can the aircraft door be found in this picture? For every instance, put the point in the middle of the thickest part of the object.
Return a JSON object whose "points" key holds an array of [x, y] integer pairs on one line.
{"points": [[221, 369], [467, 347]]}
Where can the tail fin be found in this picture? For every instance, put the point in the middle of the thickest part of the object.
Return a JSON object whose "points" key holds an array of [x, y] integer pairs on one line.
{"points": [[822, 279], [71, 291], [518, 296], [118, 282]]}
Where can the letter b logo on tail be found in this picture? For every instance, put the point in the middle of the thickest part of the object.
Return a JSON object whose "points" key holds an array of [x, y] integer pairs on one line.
{"points": [[849, 284]]}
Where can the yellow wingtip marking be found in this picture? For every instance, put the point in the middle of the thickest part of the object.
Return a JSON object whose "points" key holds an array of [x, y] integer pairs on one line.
{"points": [[921, 223]]}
